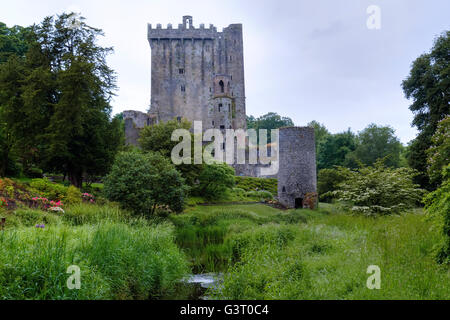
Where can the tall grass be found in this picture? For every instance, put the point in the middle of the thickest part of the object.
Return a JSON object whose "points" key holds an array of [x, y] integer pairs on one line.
{"points": [[327, 258], [207, 234], [142, 263], [118, 260]]}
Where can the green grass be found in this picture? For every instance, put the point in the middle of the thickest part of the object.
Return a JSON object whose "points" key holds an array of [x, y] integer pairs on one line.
{"points": [[119, 257], [302, 254], [265, 253]]}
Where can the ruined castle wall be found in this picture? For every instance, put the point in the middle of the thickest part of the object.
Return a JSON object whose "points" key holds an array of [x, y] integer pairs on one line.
{"points": [[134, 122], [297, 171]]}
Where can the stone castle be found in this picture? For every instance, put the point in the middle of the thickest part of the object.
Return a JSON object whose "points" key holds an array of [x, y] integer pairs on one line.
{"points": [[198, 75]]}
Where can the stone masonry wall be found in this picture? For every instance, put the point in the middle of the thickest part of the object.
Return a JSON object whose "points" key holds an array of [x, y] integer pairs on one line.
{"points": [[297, 171]]}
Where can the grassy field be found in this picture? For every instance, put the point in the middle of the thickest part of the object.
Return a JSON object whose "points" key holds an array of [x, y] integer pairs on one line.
{"points": [[264, 253]]}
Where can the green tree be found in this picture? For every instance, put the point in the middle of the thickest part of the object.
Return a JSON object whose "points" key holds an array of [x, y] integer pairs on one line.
{"points": [[427, 86], [13, 41], [157, 138], [269, 121], [377, 142], [439, 153], [320, 132], [141, 182], [11, 75], [215, 180], [328, 180], [251, 121], [335, 149], [79, 130]]}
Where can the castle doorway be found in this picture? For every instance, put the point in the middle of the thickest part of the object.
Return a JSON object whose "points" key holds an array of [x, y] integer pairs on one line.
{"points": [[298, 203]]}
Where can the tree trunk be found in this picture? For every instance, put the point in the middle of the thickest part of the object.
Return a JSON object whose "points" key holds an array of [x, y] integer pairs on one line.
{"points": [[76, 178]]}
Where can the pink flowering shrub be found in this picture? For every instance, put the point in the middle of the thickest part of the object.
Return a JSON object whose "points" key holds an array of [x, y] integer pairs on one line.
{"points": [[87, 197], [45, 204]]}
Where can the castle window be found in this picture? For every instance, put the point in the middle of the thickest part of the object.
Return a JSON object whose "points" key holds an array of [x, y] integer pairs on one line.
{"points": [[181, 71], [231, 58], [222, 86], [148, 122], [220, 107], [231, 77], [210, 89], [229, 107], [284, 189], [222, 127], [213, 123], [223, 146], [183, 89], [179, 119]]}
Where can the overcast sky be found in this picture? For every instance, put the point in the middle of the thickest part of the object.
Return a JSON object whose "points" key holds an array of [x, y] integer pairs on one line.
{"points": [[308, 60]]}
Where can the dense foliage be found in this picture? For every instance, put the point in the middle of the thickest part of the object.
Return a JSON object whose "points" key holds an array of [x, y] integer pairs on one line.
{"points": [[269, 121], [378, 190], [377, 142], [328, 180], [142, 182], [334, 150], [55, 101], [256, 184], [439, 153], [157, 138], [214, 181], [427, 86], [438, 207]]}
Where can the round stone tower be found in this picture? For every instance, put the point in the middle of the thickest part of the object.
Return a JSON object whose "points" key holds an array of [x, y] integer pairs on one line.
{"points": [[297, 170]]}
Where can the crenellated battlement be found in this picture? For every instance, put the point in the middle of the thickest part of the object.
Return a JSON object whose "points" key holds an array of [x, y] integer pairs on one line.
{"points": [[186, 30]]}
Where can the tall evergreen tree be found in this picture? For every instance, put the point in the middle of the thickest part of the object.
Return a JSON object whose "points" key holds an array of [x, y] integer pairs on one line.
{"points": [[56, 101]]}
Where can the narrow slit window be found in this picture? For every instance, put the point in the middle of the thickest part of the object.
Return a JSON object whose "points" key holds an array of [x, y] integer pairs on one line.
{"points": [[183, 89]]}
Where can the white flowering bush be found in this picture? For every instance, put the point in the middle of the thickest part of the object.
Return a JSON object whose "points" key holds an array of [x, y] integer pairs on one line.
{"points": [[378, 190]]}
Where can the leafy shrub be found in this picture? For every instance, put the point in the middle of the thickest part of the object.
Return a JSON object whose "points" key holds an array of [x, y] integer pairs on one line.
{"points": [[34, 172], [73, 195], [328, 180], [437, 204], [215, 180], [379, 190], [439, 153], [261, 195], [48, 189], [141, 182], [256, 184]]}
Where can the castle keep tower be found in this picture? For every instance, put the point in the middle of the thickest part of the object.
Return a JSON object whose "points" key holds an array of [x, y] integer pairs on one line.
{"points": [[297, 171], [198, 74]]}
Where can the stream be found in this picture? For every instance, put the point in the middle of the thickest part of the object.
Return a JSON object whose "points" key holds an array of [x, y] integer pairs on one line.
{"points": [[194, 287]]}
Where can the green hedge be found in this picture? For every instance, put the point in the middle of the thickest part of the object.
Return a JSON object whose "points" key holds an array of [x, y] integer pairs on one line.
{"points": [[254, 184]]}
